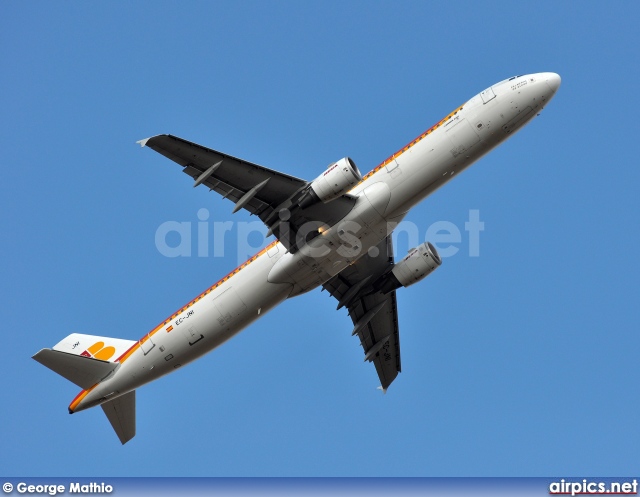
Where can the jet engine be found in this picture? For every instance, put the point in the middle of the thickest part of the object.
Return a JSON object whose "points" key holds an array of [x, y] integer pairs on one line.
{"points": [[337, 180], [416, 265]]}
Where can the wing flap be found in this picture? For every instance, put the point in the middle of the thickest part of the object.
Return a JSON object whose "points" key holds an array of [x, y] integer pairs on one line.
{"points": [[254, 206], [233, 174], [379, 336], [236, 179]]}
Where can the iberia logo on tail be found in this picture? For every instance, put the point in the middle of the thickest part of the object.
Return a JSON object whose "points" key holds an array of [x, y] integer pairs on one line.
{"points": [[99, 351]]}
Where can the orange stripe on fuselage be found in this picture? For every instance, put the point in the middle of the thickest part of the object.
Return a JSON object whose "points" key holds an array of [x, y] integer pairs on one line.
{"points": [[135, 346], [410, 144], [79, 397]]}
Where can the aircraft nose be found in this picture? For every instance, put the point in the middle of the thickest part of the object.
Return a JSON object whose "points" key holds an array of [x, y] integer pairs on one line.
{"points": [[553, 80]]}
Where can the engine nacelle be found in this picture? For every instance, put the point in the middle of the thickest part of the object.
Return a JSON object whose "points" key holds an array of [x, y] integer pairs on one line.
{"points": [[416, 265], [337, 180]]}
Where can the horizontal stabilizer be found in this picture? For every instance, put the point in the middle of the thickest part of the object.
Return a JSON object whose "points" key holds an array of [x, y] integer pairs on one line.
{"points": [[83, 371], [121, 413]]}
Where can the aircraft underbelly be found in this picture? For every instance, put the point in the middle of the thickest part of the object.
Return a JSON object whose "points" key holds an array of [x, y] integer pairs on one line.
{"points": [[342, 244], [207, 324], [368, 217]]}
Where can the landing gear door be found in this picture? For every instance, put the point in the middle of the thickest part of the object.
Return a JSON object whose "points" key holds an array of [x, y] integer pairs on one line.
{"points": [[487, 95]]}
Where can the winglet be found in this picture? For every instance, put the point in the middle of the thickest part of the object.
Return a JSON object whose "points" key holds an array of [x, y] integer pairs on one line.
{"points": [[143, 142]]}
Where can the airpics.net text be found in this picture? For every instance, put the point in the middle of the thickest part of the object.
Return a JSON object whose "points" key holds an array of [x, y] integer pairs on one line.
{"points": [[204, 238]]}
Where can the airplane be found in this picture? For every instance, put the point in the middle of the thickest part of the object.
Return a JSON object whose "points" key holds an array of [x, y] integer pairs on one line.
{"points": [[333, 232]]}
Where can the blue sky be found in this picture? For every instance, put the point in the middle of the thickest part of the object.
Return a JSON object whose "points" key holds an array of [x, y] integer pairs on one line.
{"points": [[520, 362]]}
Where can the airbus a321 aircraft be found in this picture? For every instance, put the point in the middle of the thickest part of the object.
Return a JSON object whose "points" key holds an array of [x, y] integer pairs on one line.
{"points": [[334, 232]]}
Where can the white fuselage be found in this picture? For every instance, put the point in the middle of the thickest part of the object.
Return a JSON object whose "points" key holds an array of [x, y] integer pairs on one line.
{"points": [[383, 199]]}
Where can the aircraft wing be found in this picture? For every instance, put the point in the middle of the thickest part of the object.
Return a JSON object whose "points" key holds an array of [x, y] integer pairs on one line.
{"points": [[374, 315], [259, 190]]}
